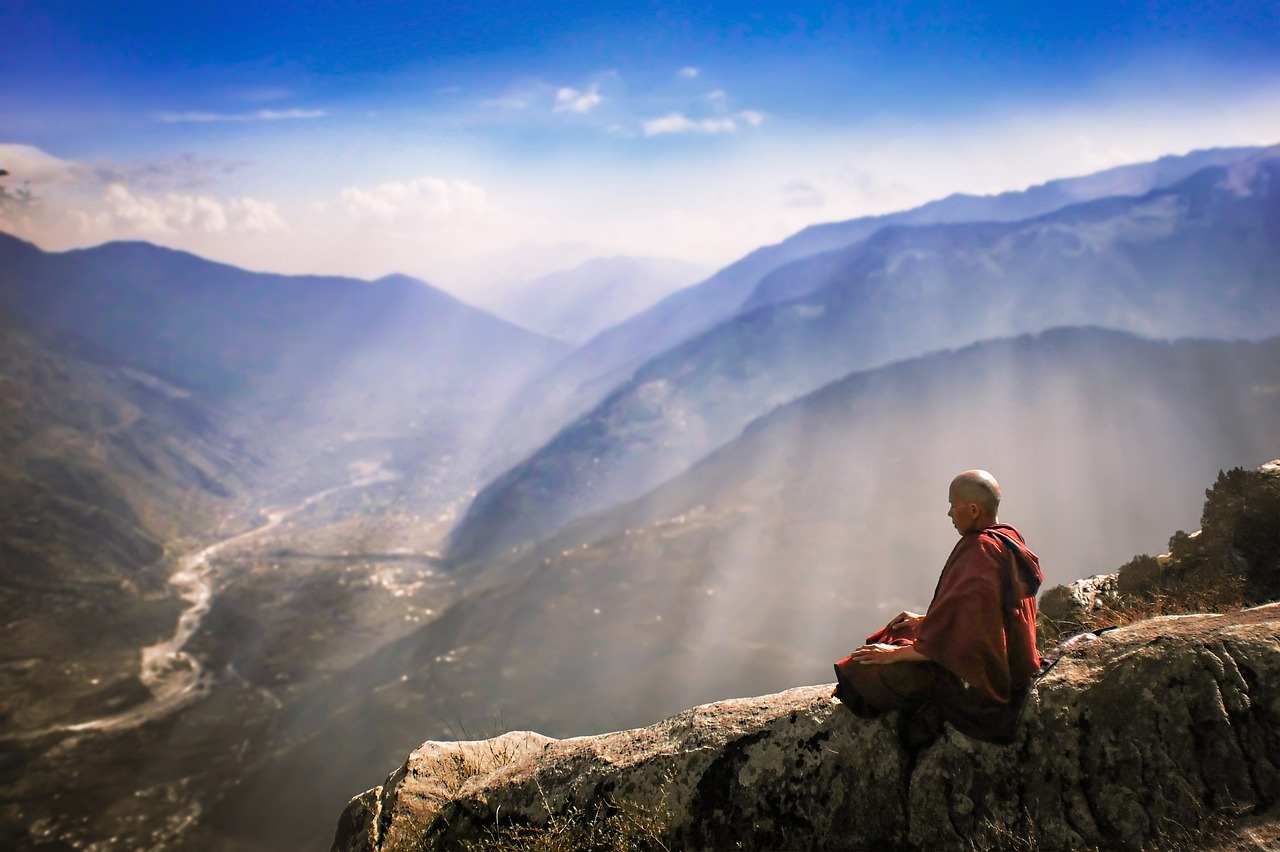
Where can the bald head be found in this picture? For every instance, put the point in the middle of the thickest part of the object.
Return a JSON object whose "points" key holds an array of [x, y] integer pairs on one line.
{"points": [[978, 486], [975, 500]]}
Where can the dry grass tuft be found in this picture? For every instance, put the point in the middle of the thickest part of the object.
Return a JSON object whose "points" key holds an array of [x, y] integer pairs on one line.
{"points": [[615, 826]]}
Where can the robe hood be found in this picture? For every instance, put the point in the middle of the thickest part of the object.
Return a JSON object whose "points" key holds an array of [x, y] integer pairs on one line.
{"points": [[1027, 576]]}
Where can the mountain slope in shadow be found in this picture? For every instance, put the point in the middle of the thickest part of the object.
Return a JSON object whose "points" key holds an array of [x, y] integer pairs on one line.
{"points": [[298, 365], [103, 471]]}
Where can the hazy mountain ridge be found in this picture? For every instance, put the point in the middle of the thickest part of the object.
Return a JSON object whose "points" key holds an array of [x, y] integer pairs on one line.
{"points": [[1201, 258], [300, 365], [576, 304], [590, 373], [756, 569], [252, 323]]}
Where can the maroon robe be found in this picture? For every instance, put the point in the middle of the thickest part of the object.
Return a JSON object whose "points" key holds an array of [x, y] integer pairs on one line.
{"points": [[979, 636]]}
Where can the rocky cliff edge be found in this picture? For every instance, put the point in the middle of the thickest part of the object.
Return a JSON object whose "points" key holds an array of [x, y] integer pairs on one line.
{"points": [[1161, 734]]}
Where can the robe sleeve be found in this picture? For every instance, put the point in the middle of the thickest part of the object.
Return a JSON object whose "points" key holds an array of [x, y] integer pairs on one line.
{"points": [[964, 629], [902, 635]]}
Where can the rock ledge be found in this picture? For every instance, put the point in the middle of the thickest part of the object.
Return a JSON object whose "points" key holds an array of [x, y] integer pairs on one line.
{"points": [[1165, 733]]}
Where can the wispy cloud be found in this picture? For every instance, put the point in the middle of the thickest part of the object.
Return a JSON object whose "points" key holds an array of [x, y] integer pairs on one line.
{"points": [[801, 193], [573, 100], [183, 172], [678, 122], [256, 115], [418, 203], [688, 72]]}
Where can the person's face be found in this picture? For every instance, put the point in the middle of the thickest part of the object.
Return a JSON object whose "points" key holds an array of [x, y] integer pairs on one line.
{"points": [[964, 516]]}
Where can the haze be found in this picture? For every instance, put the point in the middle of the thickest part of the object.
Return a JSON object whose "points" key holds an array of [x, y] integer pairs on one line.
{"points": [[274, 508], [466, 145]]}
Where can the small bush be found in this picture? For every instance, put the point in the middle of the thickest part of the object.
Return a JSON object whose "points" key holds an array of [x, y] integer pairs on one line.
{"points": [[1139, 576]]}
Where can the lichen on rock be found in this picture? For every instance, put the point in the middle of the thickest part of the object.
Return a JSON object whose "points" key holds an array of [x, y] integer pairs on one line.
{"points": [[1163, 732]]}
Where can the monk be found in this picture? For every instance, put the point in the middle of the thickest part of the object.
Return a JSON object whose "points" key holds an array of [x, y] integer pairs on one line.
{"points": [[971, 657]]}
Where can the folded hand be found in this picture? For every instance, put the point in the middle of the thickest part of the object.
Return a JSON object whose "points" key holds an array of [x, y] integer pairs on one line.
{"points": [[905, 619], [878, 654]]}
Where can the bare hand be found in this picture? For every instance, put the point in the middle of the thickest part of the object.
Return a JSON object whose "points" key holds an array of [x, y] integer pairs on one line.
{"points": [[905, 619], [877, 655]]}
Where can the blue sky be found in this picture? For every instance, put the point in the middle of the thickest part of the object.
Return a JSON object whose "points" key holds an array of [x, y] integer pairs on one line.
{"points": [[460, 141]]}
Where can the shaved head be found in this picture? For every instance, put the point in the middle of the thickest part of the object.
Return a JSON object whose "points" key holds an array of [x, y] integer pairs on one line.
{"points": [[978, 486]]}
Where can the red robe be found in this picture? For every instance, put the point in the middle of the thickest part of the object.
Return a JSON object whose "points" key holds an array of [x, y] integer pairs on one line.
{"points": [[979, 635]]}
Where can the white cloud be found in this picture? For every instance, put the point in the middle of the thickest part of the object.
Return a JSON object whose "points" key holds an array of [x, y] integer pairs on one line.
{"points": [[717, 95], [76, 201], [28, 164], [417, 203], [678, 122], [572, 100], [257, 115], [688, 72], [255, 216], [176, 213]]}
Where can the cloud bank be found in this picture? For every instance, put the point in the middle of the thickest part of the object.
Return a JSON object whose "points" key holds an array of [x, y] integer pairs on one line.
{"points": [[415, 204], [175, 213]]}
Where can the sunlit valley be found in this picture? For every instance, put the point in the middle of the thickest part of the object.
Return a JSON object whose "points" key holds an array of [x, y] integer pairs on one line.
{"points": [[263, 534]]}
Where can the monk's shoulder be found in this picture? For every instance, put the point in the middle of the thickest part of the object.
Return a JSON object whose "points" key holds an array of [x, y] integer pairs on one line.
{"points": [[980, 546], [972, 560]]}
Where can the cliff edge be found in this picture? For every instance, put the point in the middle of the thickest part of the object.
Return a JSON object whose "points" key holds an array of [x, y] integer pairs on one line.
{"points": [[1163, 733]]}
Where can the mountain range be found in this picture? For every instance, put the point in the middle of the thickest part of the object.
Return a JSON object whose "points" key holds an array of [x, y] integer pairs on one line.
{"points": [[301, 368], [717, 496], [1201, 257], [585, 377], [576, 304]]}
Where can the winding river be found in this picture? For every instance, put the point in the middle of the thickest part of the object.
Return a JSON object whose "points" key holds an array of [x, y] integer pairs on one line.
{"points": [[174, 677]]}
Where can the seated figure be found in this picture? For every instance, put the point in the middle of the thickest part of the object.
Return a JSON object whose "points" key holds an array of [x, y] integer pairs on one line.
{"points": [[971, 657]]}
